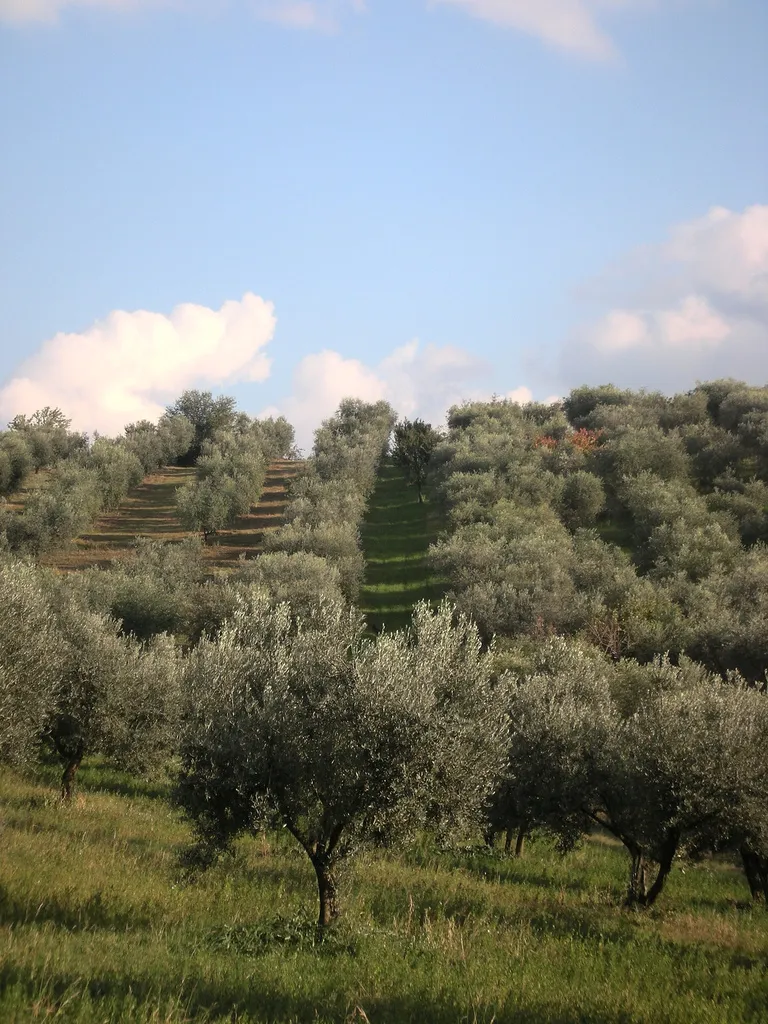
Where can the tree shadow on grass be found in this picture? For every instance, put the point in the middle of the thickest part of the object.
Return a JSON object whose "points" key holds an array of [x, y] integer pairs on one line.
{"points": [[116, 997], [92, 913]]}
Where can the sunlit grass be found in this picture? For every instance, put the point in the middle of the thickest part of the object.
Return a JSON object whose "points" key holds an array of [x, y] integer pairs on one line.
{"points": [[100, 924], [396, 534]]}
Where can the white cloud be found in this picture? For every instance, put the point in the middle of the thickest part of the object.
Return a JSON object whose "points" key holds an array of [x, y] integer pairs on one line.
{"points": [[521, 395], [701, 308], [319, 15], [417, 380], [130, 365]]}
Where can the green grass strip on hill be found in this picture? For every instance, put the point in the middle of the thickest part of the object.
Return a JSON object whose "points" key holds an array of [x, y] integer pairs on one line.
{"points": [[397, 532]]}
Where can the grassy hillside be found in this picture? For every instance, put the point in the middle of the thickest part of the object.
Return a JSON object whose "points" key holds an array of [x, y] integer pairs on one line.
{"points": [[98, 924], [396, 535], [149, 511]]}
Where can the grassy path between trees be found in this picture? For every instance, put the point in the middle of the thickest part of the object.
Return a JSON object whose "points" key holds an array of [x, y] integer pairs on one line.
{"points": [[99, 925], [397, 532]]}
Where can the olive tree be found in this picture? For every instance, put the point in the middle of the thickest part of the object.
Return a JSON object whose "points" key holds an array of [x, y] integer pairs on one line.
{"points": [[412, 447], [336, 541], [158, 588], [206, 414], [30, 660], [663, 757], [582, 500], [115, 695], [301, 579], [341, 739]]}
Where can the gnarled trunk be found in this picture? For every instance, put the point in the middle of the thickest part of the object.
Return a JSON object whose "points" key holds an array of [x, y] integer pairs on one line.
{"points": [[756, 870], [639, 893], [327, 891], [638, 883], [520, 844], [68, 777], [665, 866]]}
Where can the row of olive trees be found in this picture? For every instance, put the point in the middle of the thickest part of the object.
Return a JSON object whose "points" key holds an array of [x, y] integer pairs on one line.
{"points": [[33, 443], [83, 479], [231, 452], [296, 719], [77, 489], [668, 759], [600, 530], [70, 681], [211, 417], [282, 718], [328, 498]]}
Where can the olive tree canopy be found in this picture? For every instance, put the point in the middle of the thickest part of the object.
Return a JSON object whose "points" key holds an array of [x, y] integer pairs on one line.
{"points": [[342, 739]]}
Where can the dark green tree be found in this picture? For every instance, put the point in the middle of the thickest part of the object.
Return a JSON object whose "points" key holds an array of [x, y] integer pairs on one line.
{"points": [[206, 414], [412, 447]]}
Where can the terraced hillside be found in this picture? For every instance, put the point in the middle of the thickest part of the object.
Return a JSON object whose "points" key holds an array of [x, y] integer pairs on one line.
{"points": [[149, 511]]}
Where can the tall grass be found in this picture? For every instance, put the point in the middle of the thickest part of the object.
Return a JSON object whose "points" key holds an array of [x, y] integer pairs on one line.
{"points": [[99, 923]]}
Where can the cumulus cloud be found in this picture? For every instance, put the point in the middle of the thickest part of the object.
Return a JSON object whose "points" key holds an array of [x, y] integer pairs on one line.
{"points": [[700, 309], [128, 366], [521, 395], [418, 380]]}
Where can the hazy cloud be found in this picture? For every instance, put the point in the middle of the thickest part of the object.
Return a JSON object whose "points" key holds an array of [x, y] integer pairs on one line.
{"points": [[572, 25], [322, 15], [417, 380], [566, 24], [49, 10], [694, 306], [128, 366]]}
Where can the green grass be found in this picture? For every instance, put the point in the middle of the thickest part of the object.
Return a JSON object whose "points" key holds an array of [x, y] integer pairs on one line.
{"points": [[396, 534], [98, 924]]}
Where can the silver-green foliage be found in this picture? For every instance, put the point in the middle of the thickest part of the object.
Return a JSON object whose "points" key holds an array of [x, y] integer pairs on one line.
{"points": [[664, 757], [302, 579], [343, 740], [30, 660], [115, 696], [328, 499], [230, 474]]}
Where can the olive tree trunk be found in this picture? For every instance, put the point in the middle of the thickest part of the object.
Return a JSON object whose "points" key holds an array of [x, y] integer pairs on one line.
{"points": [[327, 891], [68, 777], [756, 870], [639, 893]]}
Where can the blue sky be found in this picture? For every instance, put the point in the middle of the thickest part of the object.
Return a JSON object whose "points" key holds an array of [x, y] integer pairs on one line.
{"points": [[439, 200]]}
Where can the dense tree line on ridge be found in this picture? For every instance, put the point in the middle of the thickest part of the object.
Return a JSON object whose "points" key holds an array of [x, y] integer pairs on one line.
{"points": [[600, 663]]}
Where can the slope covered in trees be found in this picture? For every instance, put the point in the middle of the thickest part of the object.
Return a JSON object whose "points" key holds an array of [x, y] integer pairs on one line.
{"points": [[596, 683], [184, 475]]}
